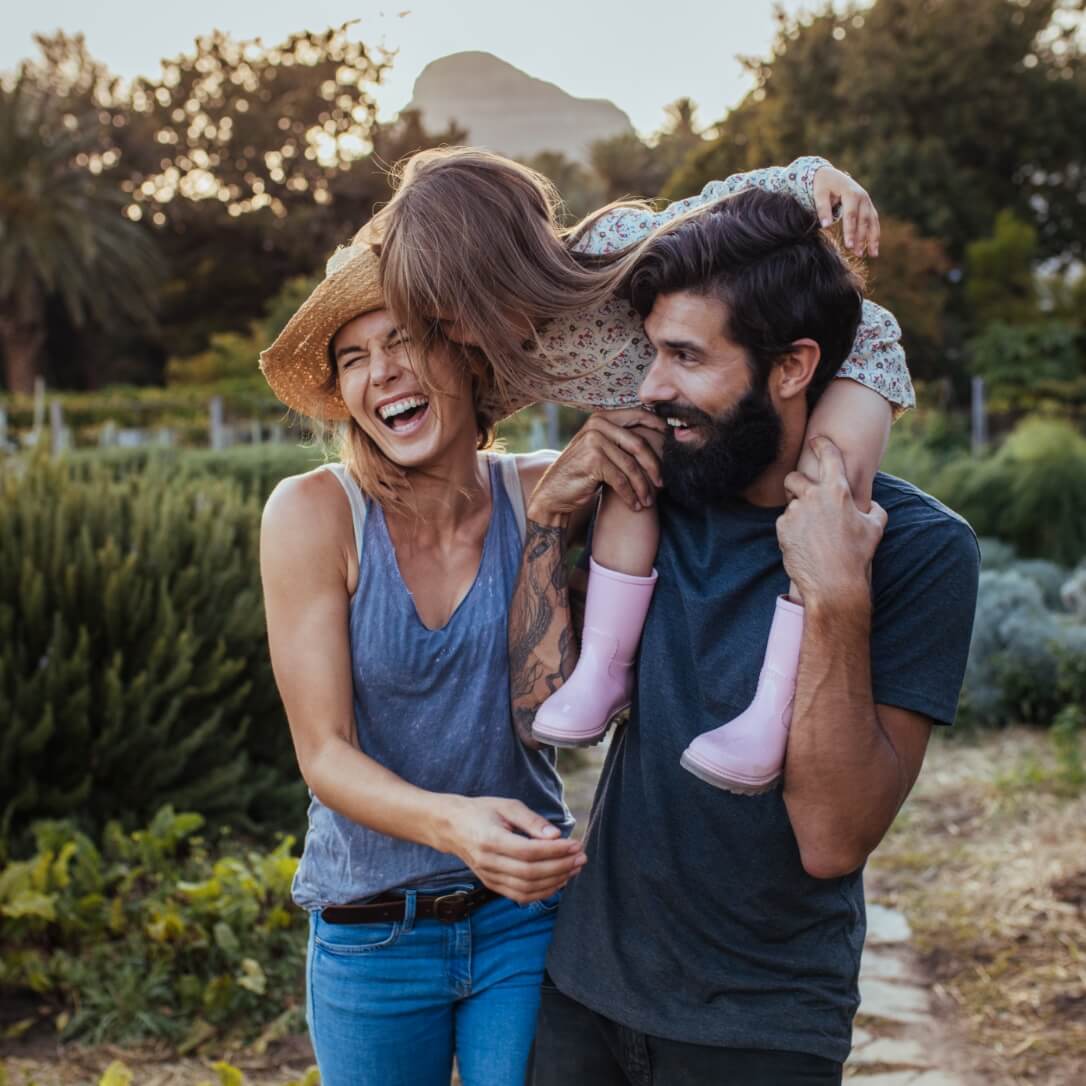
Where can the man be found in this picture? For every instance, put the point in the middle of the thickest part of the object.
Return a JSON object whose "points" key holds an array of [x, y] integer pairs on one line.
{"points": [[712, 937]]}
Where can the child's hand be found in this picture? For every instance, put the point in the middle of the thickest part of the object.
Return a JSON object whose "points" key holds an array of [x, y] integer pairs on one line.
{"points": [[858, 214]]}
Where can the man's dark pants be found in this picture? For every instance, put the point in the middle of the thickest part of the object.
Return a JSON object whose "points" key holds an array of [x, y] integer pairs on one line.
{"points": [[574, 1046]]}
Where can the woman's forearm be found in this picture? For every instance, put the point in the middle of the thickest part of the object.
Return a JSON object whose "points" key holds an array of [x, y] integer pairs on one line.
{"points": [[355, 786]]}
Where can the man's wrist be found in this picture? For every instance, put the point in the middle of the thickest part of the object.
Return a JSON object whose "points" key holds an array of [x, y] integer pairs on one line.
{"points": [[847, 599], [539, 513]]}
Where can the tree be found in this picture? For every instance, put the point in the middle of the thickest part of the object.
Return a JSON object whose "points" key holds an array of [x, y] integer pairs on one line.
{"points": [[910, 279], [1001, 279], [627, 165], [944, 137], [62, 234], [247, 164], [1031, 348], [580, 189]]}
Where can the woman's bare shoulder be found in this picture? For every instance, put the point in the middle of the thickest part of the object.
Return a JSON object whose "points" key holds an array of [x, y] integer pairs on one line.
{"points": [[308, 511]]}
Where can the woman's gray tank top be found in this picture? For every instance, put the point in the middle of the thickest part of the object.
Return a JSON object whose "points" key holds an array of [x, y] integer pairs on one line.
{"points": [[431, 705]]}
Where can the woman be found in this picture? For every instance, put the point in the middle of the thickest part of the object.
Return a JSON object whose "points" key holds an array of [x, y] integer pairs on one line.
{"points": [[437, 844]]}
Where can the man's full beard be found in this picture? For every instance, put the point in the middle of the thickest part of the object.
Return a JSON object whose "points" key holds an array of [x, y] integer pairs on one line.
{"points": [[738, 447]]}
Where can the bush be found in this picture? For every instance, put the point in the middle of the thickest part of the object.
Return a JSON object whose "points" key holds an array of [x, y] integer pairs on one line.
{"points": [[1031, 493], [150, 934], [133, 662], [1026, 661], [255, 468]]}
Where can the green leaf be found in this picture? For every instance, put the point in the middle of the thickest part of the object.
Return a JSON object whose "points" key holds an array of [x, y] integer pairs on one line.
{"points": [[225, 938], [29, 903], [116, 1074], [228, 1074], [252, 977]]}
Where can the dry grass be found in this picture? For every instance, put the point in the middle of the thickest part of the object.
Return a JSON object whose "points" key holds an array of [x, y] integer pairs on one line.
{"points": [[988, 861]]}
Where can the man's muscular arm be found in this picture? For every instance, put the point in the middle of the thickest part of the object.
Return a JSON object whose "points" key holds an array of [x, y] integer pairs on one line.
{"points": [[542, 648], [850, 763]]}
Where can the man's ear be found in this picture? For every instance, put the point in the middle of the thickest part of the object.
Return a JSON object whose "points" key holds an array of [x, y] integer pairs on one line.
{"points": [[796, 370]]}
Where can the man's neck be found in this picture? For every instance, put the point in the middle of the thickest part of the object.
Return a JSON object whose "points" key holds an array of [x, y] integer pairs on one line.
{"points": [[768, 490]]}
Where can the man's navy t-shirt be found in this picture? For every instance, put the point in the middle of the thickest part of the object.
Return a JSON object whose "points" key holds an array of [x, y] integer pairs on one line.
{"points": [[694, 919]]}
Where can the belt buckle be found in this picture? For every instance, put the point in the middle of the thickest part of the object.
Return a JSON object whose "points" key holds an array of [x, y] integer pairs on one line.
{"points": [[450, 907]]}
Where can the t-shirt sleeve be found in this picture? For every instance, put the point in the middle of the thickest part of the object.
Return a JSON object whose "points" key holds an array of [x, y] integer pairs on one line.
{"points": [[924, 583]]}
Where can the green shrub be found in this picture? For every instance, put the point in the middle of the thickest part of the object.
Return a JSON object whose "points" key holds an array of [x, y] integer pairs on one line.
{"points": [[133, 663], [1027, 662], [153, 933], [255, 468], [1031, 493]]}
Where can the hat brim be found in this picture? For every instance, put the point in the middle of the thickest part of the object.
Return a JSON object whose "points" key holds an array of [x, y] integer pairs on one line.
{"points": [[298, 365]]}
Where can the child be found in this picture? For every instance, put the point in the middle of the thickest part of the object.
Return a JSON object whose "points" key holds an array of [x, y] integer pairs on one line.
{"points": [[470, 243]]}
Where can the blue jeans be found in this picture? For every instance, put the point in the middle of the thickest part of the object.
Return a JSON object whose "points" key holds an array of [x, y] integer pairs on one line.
{"points": [[389, 1004]]}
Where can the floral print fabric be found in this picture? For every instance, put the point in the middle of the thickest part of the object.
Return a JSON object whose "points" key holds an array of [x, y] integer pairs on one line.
{"points": [[599, 358]]}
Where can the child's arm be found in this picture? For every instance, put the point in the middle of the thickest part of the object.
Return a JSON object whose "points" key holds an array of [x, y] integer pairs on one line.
{"points": [[872, 388], [810, 180], [857, 420]]}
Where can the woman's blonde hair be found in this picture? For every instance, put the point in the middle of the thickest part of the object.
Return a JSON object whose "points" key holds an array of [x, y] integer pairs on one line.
{"points": [[382, 479], [475, 237]]}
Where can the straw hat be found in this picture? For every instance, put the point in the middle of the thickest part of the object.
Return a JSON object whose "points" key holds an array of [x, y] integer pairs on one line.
{"points": [[298, 364]]}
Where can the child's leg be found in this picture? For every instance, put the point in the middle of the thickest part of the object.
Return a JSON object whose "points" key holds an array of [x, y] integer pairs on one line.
{"points": [[620, 584], [746, 755], [625, 541], [857, 420]]}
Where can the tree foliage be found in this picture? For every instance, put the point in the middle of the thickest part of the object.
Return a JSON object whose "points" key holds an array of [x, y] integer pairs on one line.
{"points": [[62, 235], [244, 164], [948, 111]]}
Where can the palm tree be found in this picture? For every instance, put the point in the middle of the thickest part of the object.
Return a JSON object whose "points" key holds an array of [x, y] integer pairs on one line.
{"points": [[62, 232]]}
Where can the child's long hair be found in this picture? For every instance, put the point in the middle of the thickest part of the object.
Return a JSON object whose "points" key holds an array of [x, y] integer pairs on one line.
{"points": [[474, 237]]}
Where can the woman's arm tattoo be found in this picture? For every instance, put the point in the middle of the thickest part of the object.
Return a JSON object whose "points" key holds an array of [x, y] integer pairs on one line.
{"points": [[542, 648]]}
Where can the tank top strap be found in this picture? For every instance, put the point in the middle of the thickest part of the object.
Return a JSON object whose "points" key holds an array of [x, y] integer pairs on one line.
{"points": [[356, 499], [507, 466]]}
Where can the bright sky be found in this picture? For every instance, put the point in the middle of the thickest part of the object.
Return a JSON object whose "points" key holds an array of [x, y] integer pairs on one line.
{"points": [[590, 48]]}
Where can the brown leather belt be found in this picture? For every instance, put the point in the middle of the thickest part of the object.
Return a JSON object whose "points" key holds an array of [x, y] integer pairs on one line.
{"points": [[447, 908]]}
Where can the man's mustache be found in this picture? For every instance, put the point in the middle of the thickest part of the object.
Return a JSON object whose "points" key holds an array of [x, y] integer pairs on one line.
{"points": [[685, 413]]}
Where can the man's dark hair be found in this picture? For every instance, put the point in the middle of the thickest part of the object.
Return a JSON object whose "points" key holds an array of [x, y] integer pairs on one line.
{"points": [[782, 279]]}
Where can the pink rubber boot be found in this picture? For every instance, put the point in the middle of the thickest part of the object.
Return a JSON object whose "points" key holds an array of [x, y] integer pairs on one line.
{"points": [[579, 714], [746, 755]]}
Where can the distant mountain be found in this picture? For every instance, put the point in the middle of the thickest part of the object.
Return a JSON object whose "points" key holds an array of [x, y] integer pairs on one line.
{"points": [[510, 111]]}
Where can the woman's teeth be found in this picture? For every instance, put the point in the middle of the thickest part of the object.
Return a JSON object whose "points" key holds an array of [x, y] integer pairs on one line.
{"points": [[404, 414]]}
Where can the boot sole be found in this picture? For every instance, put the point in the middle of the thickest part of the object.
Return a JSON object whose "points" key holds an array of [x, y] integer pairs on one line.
{"points": [[726, 784], [569, 743]]}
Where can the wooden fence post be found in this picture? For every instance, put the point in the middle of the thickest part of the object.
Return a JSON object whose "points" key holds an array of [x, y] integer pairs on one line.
{"points": [[56, 428], [39, 412], [218, 431]]}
